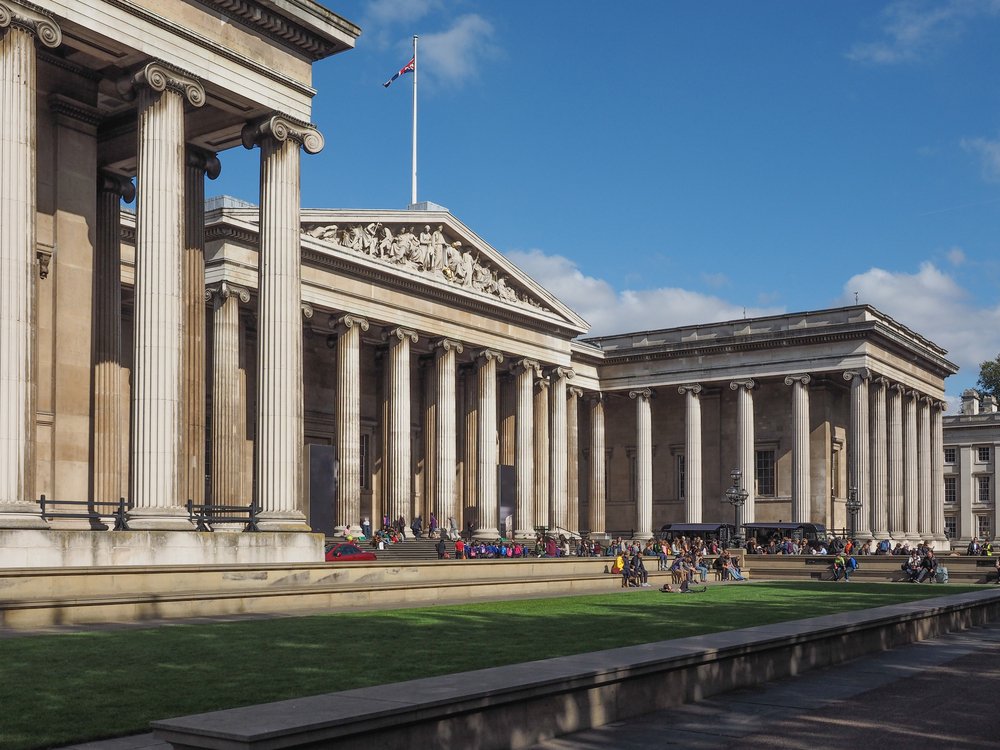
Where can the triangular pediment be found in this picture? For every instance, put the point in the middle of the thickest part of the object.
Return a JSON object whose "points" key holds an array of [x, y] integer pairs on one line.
{"points": [[437, 249]]}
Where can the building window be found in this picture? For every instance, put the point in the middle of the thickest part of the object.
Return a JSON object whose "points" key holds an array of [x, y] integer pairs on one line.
{"points": [[984, 528], [949, 455], [983, 454], [950, 489], [364, 462], [983, 490], [950, 527], [765, 473], [681, 476]]}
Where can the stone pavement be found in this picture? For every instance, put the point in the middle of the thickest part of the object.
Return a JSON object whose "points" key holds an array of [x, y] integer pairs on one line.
{"points": [[938, 692], [941, 692]]}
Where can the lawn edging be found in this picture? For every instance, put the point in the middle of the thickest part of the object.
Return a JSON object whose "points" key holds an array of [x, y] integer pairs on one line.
{"points": [[521, 704]]}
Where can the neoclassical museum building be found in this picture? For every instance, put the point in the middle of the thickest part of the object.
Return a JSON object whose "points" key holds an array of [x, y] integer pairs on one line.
{"points": [[332, 365]]}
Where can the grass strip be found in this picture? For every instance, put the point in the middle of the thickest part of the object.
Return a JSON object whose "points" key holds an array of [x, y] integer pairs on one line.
{"points": [[79, 686]]}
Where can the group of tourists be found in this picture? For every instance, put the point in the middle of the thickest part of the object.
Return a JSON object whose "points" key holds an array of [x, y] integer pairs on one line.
{"points": [[501, 549]]}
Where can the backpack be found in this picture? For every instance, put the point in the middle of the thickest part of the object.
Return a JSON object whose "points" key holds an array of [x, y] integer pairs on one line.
{"points": [[942, 574], [853, 564]]}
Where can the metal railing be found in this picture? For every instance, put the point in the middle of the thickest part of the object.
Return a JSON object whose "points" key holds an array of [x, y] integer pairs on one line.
{"points": [[204, 516], [118, 511]]}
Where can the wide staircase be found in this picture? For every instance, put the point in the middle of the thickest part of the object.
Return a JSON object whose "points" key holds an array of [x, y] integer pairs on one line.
{"points": [[884, 568], [409, 550]]}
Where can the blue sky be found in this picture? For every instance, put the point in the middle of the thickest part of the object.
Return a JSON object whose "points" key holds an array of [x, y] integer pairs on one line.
{"points": [[662, 163]]}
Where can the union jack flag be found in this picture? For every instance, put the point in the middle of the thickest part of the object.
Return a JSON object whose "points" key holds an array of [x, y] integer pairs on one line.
{"points": [[408, 68]]}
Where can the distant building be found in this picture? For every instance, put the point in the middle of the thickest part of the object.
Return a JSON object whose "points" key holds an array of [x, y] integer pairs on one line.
{"points": [[971, 439]]}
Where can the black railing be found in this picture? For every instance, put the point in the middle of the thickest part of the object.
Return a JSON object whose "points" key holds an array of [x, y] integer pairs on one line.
{"points": [[118, 511], [205, 516]]}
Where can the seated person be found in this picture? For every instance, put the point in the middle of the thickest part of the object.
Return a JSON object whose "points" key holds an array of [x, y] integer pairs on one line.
{"points": [[928, 567], [839, 567], [638, 571]]}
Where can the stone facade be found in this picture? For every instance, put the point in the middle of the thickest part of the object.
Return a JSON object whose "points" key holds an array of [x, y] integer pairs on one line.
{"points": [[971, 439], [330, 365]]}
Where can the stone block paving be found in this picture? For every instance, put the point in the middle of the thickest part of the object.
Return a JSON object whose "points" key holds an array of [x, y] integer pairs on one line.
{"points": [[938, 693]]}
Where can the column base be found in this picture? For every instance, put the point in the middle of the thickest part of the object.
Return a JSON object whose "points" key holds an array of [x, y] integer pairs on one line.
{"points": [[282, 521], [172, 518], [22, 516], [524, 534], [490, 534]]}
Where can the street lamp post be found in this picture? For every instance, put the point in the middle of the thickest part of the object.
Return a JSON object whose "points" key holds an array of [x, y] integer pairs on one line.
{"points": [[853, 508], [737, 496]]}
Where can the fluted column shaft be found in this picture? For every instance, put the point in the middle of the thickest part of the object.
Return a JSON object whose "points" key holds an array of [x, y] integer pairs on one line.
{"points": [[107, 429], [18, 138], [596, 499], [488, 451], [229, 429], [349, 329], [911, 481], [937, 472], [470, 482], [894, 486], [859, 444], [279, 430], [524, 463], [542, 452], [198, 165], [399, 459], [801, 465], [745, 443], [158, 476], [445, 429], [879, 460], [924, 468], [573, 458], [557, 448], [692, 453], [643, 463]]}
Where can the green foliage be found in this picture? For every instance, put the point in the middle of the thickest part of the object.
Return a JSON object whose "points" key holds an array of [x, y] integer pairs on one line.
{"points": [[58, 689], [989, 377]]}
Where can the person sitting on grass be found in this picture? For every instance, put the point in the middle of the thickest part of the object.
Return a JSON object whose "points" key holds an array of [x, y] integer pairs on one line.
{"points": [[684, 588]]}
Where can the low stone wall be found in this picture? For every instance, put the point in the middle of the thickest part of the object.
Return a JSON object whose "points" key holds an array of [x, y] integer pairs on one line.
{"points": [[519, 705]]}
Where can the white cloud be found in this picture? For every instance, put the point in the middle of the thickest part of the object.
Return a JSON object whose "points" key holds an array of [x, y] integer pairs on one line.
{"points": [[913, 29], [956, 256], [610, 311], [715, 280], [989, 155], [454, 56]]}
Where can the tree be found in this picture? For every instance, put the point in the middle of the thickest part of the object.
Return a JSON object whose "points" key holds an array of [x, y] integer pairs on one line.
{"points": [[989, 377]]}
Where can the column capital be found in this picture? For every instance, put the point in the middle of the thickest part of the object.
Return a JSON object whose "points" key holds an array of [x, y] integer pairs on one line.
{"points": [[543, 383], [862, 372], [594, 397], [880, 382], [801, 378], [307, 311], [898, 388], [345, 322], [914, 394], [225, 290], [488, 355], [283, 128], [448, 345], [399, 333], [32, 19], [113, 183], [574, 391], [562, 372], [207, 161], [160, 77], [525, 365], [644, 393], [749, 384], [694, 388]]}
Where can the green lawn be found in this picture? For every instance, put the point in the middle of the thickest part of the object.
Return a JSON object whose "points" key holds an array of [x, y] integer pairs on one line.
{"points": [[58, 689]]}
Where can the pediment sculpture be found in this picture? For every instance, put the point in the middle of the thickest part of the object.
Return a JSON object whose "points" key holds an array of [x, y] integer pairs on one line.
{"points": [[429, 251]]}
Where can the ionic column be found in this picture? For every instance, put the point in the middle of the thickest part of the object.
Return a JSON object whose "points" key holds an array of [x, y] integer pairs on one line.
{"points": [[349, 329], [525, 372], [398, 457], [445, 352], [801, 486], [198, 165], [692, 452], [557, 448], [911, 481], [573, 458], [745, 443], [107, 429], [924, 467], [859, 443], [486, 363], [470, 439], [643, 463], [894, 486], [879, 460], [229, 429], [19, 28], [279, 433], [596, 496], [937, 472], [159, 477], [542, 452]]}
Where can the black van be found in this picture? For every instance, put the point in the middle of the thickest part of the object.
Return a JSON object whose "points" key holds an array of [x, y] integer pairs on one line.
{"points": [[707, 531], [765, 531]]}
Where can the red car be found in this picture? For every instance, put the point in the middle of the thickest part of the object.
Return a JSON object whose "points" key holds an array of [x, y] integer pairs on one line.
{"points": [[345, 552]]}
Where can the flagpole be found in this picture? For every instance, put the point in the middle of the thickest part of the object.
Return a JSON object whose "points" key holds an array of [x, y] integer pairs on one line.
{"points": [[413, 192]]}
